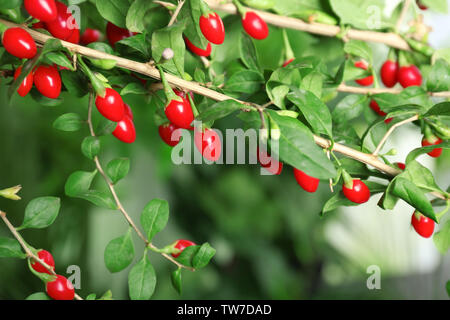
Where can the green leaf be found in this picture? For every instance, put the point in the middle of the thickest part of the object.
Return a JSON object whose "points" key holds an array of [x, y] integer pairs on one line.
{"points": [[219, 110], [170, 37], [247, 52], [60, 59], [138, 14], [176, 280], [38, 296], [10, 248], [298, 149], [360, 49], [421, 177], [41, 212], [187, 255], [313, 83], [79, 182], [75, 83], [114, 11], [68, 122], [419, 151], [105, 127], [91, 296], [439, 77], [279, 84], [409, 192], [372, 137], [137, 44], [203, 256], [361, 14], [314, 110], [90, 147], [336, 201], [101, 199], [119, 253], [436, 5], [154, 217], [191, 13], [440, 109], [133, 88], [349, 108], [142, 280], [118, 169], [106, 296], [442, 238], [246, 81]]}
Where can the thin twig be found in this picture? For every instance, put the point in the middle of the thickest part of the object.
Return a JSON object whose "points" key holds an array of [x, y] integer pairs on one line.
{"points": [[146, 69], [27, 250], [402, 14], [116, 198], [390, 131], [389, 38], [175, 14]]}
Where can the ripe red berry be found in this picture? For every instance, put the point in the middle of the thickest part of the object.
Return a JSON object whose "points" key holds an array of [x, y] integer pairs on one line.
{"points": [[359, 193], [308, 183], [400, 165], [212, 28], [255, 26], [270, 164], [421, 5], [90, 35], [287, 62], [166, 131], [111, 106], [198, 51], [367, 81], [48, 81], [409, 76], [27, 83], [424, 226], [44, 10], [128, 111], [180, 113], [375, 107], [389, 73], [19, 43], [60, 289], [64, 24], [436, 153], [181, 245], [47, 258], [115, 33], [208, 143], [75, 37], [125, 130]]}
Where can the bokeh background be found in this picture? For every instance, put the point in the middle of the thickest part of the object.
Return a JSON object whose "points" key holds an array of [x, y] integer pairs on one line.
{"points": [[270, 241]]}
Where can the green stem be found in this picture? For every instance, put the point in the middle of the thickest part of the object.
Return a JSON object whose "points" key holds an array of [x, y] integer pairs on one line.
{"points": [[287, 47], [242, 11], [170, 95]]}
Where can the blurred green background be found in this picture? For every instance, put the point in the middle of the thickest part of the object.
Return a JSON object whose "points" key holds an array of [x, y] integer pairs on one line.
{"points": [[270, 241]]}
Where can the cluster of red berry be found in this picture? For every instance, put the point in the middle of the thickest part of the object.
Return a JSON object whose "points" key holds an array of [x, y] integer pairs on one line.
{"points": [[54, 17], [59, 288], [20, 44], [213, 30], [180, 115]]}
